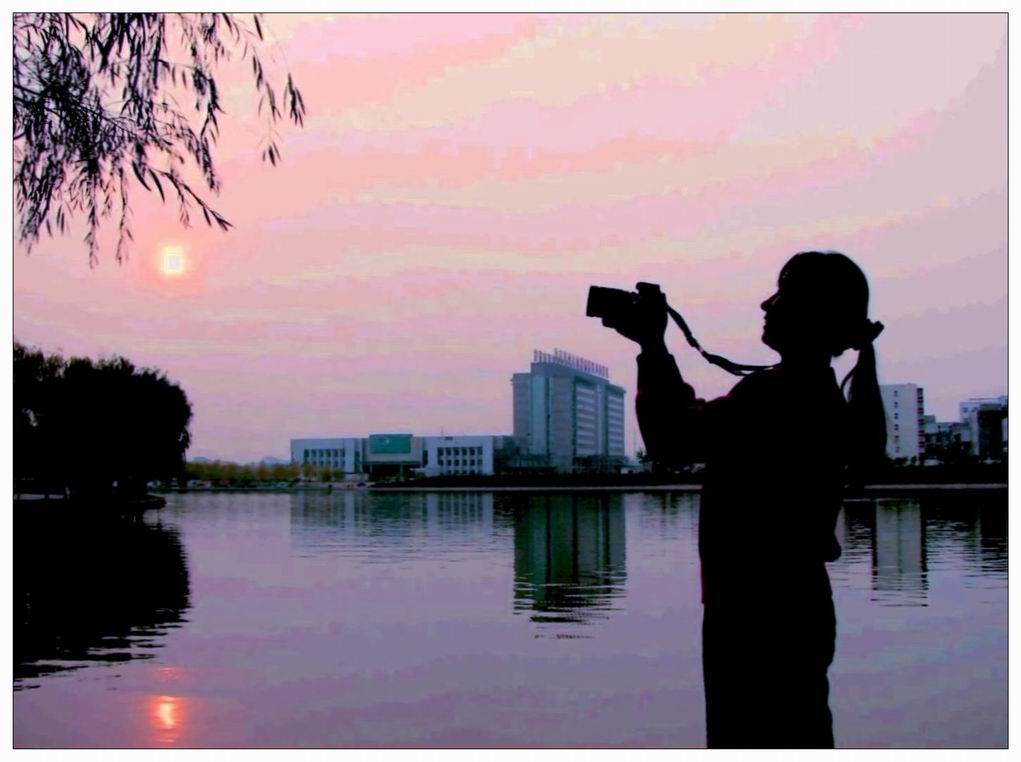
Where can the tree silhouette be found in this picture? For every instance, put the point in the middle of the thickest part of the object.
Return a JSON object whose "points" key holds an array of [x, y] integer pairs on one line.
{"points": [[96, 109], [88, 425], [92, 592], [36, 377]]}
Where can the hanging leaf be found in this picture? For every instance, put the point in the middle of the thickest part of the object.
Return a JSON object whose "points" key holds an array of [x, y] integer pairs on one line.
{"points": [[90, 95]]}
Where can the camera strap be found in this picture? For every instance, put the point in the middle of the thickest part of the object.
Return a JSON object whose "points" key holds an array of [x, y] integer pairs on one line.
{"points": [[736, 369]]}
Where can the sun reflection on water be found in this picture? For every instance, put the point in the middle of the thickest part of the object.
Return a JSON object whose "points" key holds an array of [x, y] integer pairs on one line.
{"points": [[167, 716]]}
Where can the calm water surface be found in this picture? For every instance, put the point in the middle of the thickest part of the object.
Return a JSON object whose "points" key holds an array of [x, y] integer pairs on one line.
{"points": [[476, 619]]}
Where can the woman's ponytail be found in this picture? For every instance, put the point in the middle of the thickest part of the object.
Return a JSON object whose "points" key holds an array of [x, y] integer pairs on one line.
{"points": [[867, 417]]}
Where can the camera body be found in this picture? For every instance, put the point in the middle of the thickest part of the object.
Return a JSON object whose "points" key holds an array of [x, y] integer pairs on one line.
{"points": [[610, 303]]}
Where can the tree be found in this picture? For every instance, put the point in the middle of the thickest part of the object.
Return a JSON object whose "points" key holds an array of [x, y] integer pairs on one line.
{"points": [[231, 472], [88, 424], [95, 110], [283, 472], [246, 474], [214, 472], [35, 379]]}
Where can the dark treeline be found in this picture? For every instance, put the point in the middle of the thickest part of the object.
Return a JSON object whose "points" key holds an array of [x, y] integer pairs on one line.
{"points": [[96, 428], [888, 473]]}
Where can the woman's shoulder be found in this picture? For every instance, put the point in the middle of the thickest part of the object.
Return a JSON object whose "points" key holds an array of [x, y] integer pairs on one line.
{"points": [[760, 382]]}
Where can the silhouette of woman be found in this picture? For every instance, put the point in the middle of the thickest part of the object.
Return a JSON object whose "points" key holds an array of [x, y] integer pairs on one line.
{"points": [[776, 450]]}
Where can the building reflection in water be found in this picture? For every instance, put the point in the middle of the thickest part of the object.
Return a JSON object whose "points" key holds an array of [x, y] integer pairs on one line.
{"points": [[899, 570], [93, 591], [902, 540], [569, 550], [992, 542], [384, 527], [569, 557], [855, 527]]}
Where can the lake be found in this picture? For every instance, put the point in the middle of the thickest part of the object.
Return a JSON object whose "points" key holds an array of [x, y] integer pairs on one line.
{"points": [[454, 619]]}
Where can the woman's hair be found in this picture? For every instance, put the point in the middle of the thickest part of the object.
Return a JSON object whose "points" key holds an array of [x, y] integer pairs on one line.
{"points": [[832, 296], [836, 293]]}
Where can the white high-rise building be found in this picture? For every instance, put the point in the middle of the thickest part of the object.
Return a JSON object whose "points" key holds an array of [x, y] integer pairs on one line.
{"points": [[567, 414], [905, 426]]}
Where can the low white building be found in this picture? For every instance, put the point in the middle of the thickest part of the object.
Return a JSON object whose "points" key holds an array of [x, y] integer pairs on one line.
{"points": [[400, 454], [458, 455], [345, 455]]}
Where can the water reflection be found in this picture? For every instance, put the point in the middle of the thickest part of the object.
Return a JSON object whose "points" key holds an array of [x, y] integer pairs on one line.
{"points": [[93, 592], [671, 515], [855, 528], [569, 550], [569, 557], [991, 553], [388, 527], [977, 537], [298, 634], [899, 573], [905, 541], [167, 715]]}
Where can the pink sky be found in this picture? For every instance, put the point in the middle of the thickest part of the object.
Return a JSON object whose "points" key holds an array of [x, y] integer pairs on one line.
{"points": [[461, 180]]}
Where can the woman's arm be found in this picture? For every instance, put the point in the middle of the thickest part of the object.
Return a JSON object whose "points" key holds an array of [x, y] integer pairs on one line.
{"points": [[674, 422]]}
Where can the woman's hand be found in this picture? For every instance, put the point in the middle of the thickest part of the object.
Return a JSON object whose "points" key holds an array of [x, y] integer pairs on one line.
{"points": [[645, 322]]}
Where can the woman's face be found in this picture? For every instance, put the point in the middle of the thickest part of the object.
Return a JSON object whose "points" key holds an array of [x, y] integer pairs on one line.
{"points": [[791, 320], [774, 322]]}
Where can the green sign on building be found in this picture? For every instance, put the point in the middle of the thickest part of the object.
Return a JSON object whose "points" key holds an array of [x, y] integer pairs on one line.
{"points": [[390, 444]]}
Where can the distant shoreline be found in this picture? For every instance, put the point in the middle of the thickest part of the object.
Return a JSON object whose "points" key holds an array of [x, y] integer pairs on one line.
{"points": [[869, 490]]}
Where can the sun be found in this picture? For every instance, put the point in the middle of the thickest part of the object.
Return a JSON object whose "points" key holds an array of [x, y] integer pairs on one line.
{"points": [[172, 261]]}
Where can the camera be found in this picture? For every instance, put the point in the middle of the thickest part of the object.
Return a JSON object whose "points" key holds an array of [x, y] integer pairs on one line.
{"points": [[614, 305], [614, 302]]}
